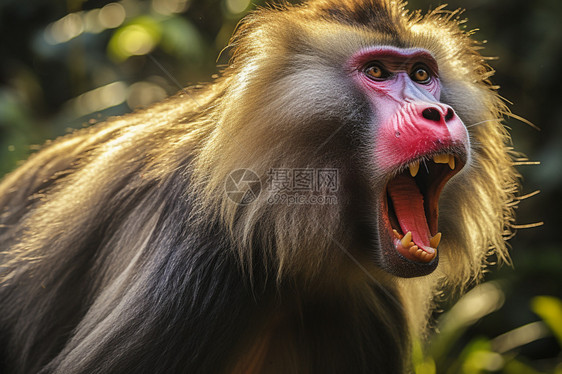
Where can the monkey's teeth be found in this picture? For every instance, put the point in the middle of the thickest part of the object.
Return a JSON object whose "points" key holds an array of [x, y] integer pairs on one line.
{"points": [[452, 162], [445, 159], [422, 255], [441, 159], [425, 256], [406, 240], [434, 242], [414, 168]]}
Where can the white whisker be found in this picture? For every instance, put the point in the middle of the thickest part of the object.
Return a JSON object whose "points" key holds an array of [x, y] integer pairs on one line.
{"points": [[481, 122]]}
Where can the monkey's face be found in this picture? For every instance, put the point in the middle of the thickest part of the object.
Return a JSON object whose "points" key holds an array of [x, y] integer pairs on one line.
{"points": [[387, 103], [419, 144]]}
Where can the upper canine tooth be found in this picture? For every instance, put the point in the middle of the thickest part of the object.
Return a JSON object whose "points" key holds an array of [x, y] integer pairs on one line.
{"points": [[451, 162], [414, 168], [441, 159]]}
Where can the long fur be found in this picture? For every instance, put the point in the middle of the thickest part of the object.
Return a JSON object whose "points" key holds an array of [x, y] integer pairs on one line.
{"points": [[121, 252]]}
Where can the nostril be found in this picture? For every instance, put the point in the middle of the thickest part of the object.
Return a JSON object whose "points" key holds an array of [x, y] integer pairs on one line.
{"points": [[431, 114], [449, 115]]}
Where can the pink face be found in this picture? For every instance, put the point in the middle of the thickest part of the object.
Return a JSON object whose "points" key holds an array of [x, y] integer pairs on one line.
{"points": [[404, 90], [419, 144]]}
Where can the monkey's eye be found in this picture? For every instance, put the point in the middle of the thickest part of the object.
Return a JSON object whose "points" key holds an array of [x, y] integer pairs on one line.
{"points": [[421, 74], [376, 72]]}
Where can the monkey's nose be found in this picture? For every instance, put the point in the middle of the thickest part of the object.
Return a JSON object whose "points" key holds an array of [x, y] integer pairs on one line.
{"points": [[436, 113]]}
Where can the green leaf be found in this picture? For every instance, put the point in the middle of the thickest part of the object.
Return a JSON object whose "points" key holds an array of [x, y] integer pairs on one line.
{"points": [[423, 364], [478, 357], [549, 308]]}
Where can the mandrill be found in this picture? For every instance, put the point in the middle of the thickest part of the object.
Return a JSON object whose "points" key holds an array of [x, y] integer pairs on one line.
{"points": [[124, 250]]}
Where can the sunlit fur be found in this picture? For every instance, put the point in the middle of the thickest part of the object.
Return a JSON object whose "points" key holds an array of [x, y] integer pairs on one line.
{"points": [[122, 253]]}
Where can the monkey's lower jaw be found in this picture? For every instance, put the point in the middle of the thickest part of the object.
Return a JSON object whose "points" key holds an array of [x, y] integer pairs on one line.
{"points": [[412, 211]]}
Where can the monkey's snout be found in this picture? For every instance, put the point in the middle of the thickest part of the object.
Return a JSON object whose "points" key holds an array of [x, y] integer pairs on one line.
{"points": [[436, 114]]}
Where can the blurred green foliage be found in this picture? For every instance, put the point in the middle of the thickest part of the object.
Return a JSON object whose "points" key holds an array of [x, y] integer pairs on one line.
{"points": [[449, 352], [67, 64]]}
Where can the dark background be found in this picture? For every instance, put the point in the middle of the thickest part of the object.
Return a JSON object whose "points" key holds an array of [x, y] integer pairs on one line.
{"points": [[66, 64]]}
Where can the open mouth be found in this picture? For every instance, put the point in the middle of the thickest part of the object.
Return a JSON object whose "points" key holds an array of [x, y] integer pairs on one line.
{"points": [[412, 205]]}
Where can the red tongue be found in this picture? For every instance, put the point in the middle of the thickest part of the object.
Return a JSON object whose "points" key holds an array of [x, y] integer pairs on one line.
{"points": [[408, 205]]}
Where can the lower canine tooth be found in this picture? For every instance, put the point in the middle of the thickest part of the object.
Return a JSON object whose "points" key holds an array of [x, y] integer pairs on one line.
{"points": [[434, 242], [406, 240]]}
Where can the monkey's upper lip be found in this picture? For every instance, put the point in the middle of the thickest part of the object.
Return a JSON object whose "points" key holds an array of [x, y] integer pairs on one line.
{"points": [[412, 198]]}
